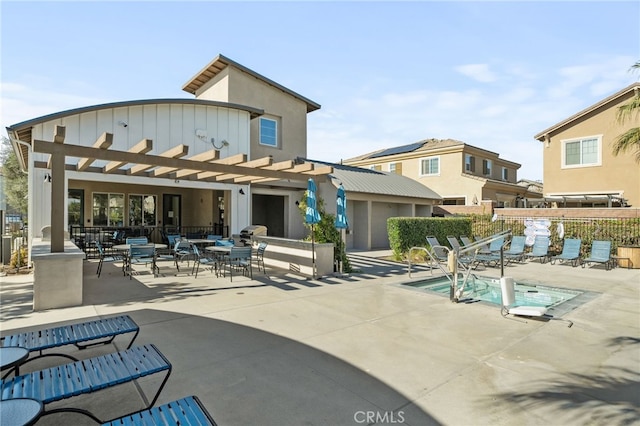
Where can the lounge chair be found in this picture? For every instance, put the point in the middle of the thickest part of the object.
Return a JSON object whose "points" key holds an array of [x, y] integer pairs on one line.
{"points": [[82, 335], [516, 249], [600, 253], [186, 411], [510, 307], [540, 249], [466, 241], [437, 250], [492, 255], [570, 252], [87, 376]]}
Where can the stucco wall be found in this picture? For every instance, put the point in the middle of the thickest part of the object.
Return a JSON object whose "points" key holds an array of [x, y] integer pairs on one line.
{"points": [[614, 174]]}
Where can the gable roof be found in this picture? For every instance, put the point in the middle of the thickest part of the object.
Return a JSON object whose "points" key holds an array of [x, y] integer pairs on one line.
{"points": [[220, 62], [635, 87], [359, 179]]}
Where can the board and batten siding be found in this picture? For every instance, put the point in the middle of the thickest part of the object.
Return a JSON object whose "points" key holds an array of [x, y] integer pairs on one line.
{"points": [[167, 125]]}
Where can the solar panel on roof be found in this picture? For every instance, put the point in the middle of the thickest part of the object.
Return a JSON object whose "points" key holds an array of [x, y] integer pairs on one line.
{"points": [[397, 150]]}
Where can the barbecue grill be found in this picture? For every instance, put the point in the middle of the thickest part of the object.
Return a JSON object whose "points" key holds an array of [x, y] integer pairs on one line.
{"points": [[251, 231]]}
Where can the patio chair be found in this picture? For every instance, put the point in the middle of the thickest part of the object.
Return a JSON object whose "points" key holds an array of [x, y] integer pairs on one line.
{"points": [[516, 249], [88, 376], [239, 258], [259, 257], [82, 335], [186, 411], [142, 254], [600, 253], [137, 240], [570, 252], [202, 259], [183, 250], [510, 307], [105, 257], [540, 249]]}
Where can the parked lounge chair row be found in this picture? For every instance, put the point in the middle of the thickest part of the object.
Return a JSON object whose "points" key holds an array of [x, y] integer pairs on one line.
{"points": [[490, 255], [82, 377]]}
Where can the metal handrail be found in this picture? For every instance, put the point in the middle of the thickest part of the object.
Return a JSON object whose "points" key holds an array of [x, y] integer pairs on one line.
{"points": [[457, 291]]}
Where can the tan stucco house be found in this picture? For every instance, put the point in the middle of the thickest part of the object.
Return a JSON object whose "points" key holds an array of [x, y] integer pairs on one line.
{"points": [[579, 167], [462, 174]]}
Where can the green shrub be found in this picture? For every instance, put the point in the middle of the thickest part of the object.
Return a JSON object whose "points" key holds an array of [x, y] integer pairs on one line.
{"points": [[407, 232]]}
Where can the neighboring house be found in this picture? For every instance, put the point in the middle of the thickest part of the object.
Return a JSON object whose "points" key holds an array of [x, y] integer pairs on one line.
{"points": [[232, 157], [372, 198], [579, 167], [462, 174]]}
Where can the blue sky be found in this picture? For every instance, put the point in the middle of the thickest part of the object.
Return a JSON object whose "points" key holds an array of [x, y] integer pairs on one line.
{"points": [[491, 74]]}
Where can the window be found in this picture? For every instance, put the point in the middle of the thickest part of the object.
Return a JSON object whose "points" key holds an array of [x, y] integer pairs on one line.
{"points": [[430, 166], [505, 173], [581, 152], [469, 163], [75, 207], [108, 209], [395, 168], [486, 167], [142, 210], [377, 167], [268, 132]]}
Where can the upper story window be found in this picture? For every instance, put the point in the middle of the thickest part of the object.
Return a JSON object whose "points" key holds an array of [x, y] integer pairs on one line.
{"points": [[268, 132], [581, 152], [430, 166], [486, 167], [469, 163], [505, 173], [395, 168], [375, 167]]}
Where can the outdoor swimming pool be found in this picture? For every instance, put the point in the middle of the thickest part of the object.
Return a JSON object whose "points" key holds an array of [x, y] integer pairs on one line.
{"points": [[487, 289]]}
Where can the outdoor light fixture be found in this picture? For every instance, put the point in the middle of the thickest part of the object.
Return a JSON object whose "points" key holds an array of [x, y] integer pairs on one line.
{"points": [[222, 144], [241, 191], [122, 123], [47, 178]]}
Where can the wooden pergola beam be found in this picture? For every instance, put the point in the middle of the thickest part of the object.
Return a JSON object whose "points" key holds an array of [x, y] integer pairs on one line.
{"points": [[104, 141], [175, 152], [142, 147], [206, 156], [122, 157]]}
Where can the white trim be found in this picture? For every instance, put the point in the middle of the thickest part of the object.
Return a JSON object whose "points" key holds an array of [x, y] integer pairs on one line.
{"points": [[564, 142], [420, 160]]}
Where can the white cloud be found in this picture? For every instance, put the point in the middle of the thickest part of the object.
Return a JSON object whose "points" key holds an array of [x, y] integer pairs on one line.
{"points": [[21, 102], [478, 72]]}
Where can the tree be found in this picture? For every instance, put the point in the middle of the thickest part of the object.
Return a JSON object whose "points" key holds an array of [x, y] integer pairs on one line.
{"points": [[629, 140], [15, 180]]}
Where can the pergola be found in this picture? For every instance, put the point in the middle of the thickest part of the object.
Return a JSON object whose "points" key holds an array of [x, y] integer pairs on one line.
{"points": [[171, 164]]}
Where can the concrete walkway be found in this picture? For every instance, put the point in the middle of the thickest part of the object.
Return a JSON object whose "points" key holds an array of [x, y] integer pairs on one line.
{"points": [[362, 349]]}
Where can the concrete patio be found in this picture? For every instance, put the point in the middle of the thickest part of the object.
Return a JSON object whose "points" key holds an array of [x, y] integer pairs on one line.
{"points": [[361, 349]]}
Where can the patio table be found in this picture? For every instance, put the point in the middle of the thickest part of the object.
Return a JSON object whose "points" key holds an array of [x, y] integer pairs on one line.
{"points": [[20, 411], [126, 247], [219, 252], [12, 357]]}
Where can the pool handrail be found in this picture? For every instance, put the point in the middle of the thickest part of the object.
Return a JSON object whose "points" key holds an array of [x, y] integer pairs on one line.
{"points": [[457, 291]]}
